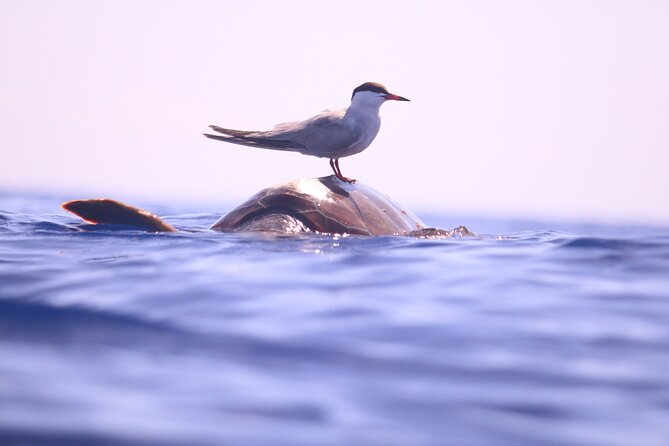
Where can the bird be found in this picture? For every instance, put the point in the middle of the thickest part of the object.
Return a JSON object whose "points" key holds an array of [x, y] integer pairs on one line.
{"points": [[330, 134]]}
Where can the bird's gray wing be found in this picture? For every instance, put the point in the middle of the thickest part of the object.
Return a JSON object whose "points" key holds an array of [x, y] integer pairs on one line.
{"points": [[325, 135]]}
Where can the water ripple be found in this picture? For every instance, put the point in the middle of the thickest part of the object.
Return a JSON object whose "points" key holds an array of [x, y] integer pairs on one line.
{"points": [[114, 336]]}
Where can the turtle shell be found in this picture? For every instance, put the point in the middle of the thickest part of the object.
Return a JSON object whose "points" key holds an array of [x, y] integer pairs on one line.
{"points": [[324, 205]]}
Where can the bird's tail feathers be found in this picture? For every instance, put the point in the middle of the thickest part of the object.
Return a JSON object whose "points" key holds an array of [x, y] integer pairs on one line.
{"points": [[232, 132], [242, 137]]}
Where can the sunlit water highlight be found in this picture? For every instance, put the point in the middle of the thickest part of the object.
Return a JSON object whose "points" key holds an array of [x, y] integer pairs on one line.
{"points": [[518, 336]]}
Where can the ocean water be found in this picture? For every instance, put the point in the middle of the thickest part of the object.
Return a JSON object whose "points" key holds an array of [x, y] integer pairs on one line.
{"points": [[527, 334]]}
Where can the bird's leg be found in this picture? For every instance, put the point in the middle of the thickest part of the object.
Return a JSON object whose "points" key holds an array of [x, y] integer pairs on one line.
{"points": [[334, 164], [338, 174], [334, 169]]}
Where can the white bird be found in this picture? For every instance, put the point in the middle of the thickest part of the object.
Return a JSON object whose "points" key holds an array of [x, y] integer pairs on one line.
{"points": [[331, 134]]}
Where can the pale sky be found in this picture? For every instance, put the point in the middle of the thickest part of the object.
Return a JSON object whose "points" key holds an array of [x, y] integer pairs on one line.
{"points": [[545, 109]]}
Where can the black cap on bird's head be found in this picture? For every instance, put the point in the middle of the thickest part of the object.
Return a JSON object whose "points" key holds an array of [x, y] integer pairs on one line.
{"points": [[375, 87]]}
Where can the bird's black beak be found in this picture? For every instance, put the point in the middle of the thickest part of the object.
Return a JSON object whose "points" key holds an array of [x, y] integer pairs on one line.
{"points": [[394, 97]]}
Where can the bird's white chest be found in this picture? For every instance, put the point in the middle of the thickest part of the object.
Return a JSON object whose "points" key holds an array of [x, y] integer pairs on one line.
{"points": [[368, 125]]}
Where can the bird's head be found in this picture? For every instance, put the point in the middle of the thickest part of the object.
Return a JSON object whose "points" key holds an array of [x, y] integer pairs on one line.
{"points": [[373, 93]]}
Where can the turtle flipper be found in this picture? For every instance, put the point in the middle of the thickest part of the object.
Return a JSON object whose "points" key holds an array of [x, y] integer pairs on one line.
{"points": [[104, 210]]}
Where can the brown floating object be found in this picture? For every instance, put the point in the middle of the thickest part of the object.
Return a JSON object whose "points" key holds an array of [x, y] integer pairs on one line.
{"points": [[325, 205], [104, 210]]}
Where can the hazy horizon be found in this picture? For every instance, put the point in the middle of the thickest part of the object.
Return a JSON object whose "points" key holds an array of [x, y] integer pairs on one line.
{"points": [[520, 109]]}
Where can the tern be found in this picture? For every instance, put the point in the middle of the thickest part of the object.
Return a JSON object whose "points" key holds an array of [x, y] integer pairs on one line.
{"points": [[331, 134]]}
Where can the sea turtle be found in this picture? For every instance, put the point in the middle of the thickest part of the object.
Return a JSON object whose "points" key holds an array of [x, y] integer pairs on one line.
{"points": [[323, 205]]}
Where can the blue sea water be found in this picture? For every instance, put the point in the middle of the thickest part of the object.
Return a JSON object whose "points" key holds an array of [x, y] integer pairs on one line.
{"points": [[528, 334]]}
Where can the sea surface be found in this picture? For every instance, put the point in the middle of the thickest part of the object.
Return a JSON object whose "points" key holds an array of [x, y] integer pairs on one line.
{"points": [[530, 333]]}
